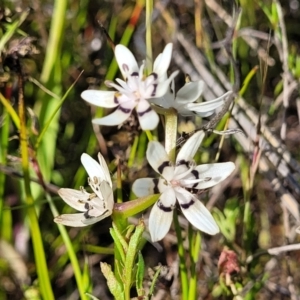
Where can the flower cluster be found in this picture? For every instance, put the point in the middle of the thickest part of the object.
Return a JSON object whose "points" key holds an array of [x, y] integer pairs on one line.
{"points": [[178, 181], [138, 91]]}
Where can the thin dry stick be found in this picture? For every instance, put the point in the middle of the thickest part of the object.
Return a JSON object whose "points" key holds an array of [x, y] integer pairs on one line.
{"points": [[198, 23], [285, 67], [14, 173], [298, 108], [286, 93], [279, 250], [257, 147]]}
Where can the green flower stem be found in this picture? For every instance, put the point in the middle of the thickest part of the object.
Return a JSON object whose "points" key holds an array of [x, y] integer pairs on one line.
{"points": [[98, 249], [82, 288], [142, 148], [119, 251], [149, 58], [55, 38], [194, 246], [150, 136], [39, 252], [171, 133], [14, 116], [119, 190], [170, 146], [133, 151], [56, 109], [4, 138], [182, 261]]}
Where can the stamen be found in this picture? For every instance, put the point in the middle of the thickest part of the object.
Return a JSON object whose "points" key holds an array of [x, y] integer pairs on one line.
{"points": [[92, 196]]}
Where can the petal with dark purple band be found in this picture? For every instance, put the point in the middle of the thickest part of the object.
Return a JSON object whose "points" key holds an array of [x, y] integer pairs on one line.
{"points": [[148, 118], [145, 186], [116, 118], [126, 61], [161, 215], [217, 172], [196, 213]]}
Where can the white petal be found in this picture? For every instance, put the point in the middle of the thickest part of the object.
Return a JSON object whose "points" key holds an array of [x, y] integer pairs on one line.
{"points": [[217, 172], [104, 166], [145, 186], [159, 223], [90, 221], [190, 92], [74, 220], [122, 83], [148, 118], [157, 156], [126, 61], [165, 101], [108, 196], [99, 98], [205, 109], [104, 203], [115, 118], [92, 167], [189, 149], [163, 87], [74, 198], [196, 213], [162, 62], [161, 215]]}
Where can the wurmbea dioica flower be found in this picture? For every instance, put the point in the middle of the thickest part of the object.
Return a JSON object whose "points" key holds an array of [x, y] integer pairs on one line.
{"points": [[177, 182], [184, 100], [135, 91], [93, 206]]}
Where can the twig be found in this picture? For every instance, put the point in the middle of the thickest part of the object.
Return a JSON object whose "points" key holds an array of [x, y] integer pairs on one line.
{"points": [[279, 250], [14, 173], [285, 69]]}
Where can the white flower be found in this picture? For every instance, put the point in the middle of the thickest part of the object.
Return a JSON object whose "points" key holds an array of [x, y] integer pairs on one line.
{"points": [[135, 91], [93, 206], [184, 100], [177, 183]]}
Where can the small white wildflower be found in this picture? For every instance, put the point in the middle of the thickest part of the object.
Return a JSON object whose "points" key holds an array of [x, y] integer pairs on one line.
{"points": [[93, 206], [135, 91], [176, 183]]}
